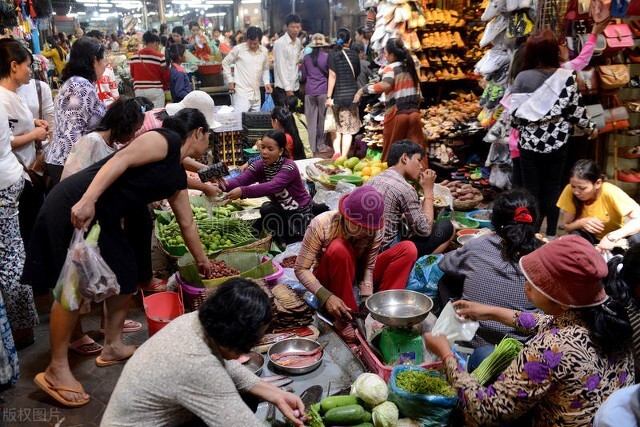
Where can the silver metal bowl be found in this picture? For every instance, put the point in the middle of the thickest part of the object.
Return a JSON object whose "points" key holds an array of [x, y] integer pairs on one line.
{"points": [[399, 308], [255, 363], [465, 238], [295, 344]]}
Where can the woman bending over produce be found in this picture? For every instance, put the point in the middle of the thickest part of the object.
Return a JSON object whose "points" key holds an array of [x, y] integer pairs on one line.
{"points": [[341, 247], [290, 210], [194, 368], [487, 267], [578, 357], [113, 191], [596, 210]]}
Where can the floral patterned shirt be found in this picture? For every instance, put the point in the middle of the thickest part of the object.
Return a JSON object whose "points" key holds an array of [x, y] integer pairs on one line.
{"points": [[78, 111], [559, 375]]}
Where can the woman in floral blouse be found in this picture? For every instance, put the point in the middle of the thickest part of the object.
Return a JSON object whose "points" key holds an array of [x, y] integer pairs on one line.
{"points": [[578, 356], [78, 109]]}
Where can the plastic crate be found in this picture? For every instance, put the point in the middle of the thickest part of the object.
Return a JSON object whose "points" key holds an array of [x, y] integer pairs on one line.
{"points": [[376, 366], [256, 120]]}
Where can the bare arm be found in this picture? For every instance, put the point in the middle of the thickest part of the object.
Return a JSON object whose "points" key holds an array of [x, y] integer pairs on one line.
{"points": [[38, 133], [192, 165], [331, 84], [182, 209]]}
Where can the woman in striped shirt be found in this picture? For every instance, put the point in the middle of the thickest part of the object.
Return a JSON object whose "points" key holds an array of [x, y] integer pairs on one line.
{"points": [[401, 86]]}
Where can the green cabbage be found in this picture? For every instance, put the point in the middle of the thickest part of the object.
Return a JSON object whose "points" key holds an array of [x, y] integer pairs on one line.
{"points": [[385, 415], [370, 388]]}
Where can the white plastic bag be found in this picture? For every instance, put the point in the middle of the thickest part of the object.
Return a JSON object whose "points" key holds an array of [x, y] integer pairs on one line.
{"points": [[332, 198], [329, 120], [454, 327], [291, 250], [84, 275]]}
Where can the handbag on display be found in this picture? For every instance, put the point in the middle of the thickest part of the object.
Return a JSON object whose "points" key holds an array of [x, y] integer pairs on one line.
{"points": [[587, 81], [577, 29], [618, 38], [619, 8], [595, 112], [613, 76], [600, 10], [615, 118], [601, 44], [519, 25]]}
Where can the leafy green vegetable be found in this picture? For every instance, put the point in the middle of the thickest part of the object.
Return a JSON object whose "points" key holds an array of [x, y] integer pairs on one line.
{"points": [[497, 362], [314, 419], [370, 388], [385, 414], [420, 382]]}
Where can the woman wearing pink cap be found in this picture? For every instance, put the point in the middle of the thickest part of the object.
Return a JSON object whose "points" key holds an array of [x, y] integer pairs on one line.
{"points": [[578, 357], [341, 247]]}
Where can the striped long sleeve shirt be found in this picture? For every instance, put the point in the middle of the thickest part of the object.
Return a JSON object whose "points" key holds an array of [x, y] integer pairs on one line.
{"points": [[147, 69], [321, 232], [398, 86]]}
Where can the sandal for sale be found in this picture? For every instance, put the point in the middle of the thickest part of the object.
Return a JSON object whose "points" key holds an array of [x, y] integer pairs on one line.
{"points": [[629, 153], [85, 346]]}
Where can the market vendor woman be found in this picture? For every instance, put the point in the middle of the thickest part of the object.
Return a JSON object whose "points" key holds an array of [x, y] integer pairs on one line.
{"points": [[113, 191], [596, 210], [340, 248], [290, 210], [580, 353]]}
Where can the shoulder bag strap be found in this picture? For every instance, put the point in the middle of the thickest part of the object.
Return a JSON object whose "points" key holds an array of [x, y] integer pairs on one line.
{"points": [[349, 62], [39, 92]]}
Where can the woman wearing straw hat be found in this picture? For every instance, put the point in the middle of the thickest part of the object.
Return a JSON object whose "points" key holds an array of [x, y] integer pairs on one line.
{"points": [[316, 73], [580, 352]]}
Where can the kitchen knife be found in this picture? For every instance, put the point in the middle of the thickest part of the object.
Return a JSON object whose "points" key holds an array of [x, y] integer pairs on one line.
{"points": [[311, 395]]}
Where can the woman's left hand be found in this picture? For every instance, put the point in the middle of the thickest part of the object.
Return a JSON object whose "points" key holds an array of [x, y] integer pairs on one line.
{"points": [[437, 344], [234, 194], [356, 99], [290, 405], [41, 123], [82, 214]]}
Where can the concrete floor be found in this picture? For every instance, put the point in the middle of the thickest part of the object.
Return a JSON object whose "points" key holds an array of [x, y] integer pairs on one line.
{"points": [[26, 405]]}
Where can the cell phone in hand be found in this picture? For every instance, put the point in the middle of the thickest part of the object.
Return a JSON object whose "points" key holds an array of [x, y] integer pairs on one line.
{"points": [[213, 172]]}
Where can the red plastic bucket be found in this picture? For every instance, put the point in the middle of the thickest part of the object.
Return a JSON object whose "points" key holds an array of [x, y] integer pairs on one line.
{"points": [[161, 308]]}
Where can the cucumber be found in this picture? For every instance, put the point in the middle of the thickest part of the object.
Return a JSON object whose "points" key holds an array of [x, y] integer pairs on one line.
{"points": [[336, 401], [345, 415], [364, 424], [367, 416]]}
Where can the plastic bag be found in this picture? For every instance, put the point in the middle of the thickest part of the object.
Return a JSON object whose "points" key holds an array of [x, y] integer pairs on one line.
{"points": [[84, 275], [425, 275], [329, 120], [291, 250], [428, 410], [332, 197], [454, 327], [268, 104]]}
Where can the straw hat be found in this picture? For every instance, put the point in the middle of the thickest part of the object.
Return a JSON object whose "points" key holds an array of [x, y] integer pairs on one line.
{"points": [[318, 40]]}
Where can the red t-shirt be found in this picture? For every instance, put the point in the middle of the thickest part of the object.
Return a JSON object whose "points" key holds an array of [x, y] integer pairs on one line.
{"points": [[289, 145]]}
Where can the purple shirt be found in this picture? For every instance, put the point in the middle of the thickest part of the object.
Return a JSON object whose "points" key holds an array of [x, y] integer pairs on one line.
{"points": [[316, 81], [286, 187]]}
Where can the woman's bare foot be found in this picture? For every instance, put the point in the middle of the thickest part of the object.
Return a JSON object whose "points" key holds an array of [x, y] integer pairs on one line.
{"points": [[64, 378], [118, 351]]}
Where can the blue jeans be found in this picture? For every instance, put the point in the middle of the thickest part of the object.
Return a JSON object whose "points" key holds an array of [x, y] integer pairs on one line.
{"points": [[478, 356]]}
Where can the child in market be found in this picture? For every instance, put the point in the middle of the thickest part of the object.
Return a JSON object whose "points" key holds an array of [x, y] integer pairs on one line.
{"points": [[179, 83], [294, 105], [282, 119], [340, 248], [117, 127], [596, 210]]}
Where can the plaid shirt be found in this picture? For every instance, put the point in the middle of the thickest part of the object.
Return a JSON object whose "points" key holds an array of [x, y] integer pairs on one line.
{"points": [[399, 199], [321, 232]]}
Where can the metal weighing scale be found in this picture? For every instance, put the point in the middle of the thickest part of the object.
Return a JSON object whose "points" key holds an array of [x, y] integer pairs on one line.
{"points": [[400, 310]]}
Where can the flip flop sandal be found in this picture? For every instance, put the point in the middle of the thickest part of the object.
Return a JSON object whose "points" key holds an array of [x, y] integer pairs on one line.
{"points": [[102, 363], [129, 326], [54, 391], [85, 346]]}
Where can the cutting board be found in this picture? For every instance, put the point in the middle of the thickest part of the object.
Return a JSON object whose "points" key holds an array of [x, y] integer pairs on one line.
{"points": [[310, 332]]}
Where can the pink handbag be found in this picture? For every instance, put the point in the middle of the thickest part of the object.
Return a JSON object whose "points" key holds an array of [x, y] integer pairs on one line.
{"points": [[618, 37]]}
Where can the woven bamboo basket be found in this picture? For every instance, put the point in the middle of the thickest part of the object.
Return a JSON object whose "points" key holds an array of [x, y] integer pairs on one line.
{"points": [[467, 205], [263, 244]]}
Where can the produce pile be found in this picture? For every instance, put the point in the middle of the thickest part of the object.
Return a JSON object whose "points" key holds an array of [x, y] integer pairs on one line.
{"points": [[491, 367], [420, 382], [217, 232], [221, 269], [462, 192], [366, 406], [363, 168], [289, 262]]}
